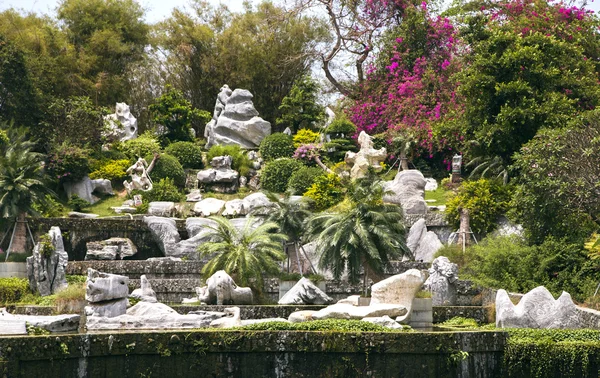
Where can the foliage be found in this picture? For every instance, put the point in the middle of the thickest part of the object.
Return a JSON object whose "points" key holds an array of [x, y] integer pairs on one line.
{"points": [[326, 191], [175, 113], [299, 109], [22, 177], [308, 153], [593, 246], [485, 200], [305, 136], [275, 146], [189, 154], [12, 289], [75, 291], [459, 321], [163, 190], [247, 253], [366, 235], [552, 352], [112, 170], [144, 145], [302, 179], [167, 166], [509, 263], [276, 174], [3, 138], [50, 207], [68, 163], [77, 204], [341, 125], [559, 186], [240, 161], [331, 325]]}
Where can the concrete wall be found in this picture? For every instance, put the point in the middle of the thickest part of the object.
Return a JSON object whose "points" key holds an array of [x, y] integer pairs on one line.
{"points": [[13, 269]]}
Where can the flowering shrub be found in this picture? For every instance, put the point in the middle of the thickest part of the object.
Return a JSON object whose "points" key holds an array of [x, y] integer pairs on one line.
{"points": [[307, 153], [68, 163]]}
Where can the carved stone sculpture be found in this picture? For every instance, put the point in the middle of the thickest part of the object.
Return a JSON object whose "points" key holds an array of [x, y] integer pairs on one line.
{"points": [[46, 268], [305, 292], [365, 158], [106, 294], [442, 279], [407, 189], [221, 289], [140, 175], [121, 125], [236, 121]]}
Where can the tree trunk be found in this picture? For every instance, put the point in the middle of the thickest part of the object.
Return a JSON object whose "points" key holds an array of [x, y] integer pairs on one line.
{"points": [[403, 161], [323, 166], [464, 230], [19, 241]]}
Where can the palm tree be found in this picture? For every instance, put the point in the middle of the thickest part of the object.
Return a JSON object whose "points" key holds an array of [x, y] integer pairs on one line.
{"points": [[290, 216], [246, 253], [484, 167], [22, 185], [366, 233]]}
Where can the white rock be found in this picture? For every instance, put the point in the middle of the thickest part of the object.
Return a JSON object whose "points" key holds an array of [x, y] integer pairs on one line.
{"points": [[164, 232], [301, 316], [121, 125], [351, 300], [107, 309], [305, 292], [47, 274], [234, 208], [124, 209], [104, 286], [194, 196], [232, 319], [169, 258], [110, 249], [365, 158], [346, 311], [209, 206], [399, 289], [430, 184], [198, 226], [384, 321], [442, 279], [15, 324], [415, 234], [85, 187], [221, 289], [428, 246], [537, 309], [407, 189], [145, 292], [78, 215], [257, 200], [161, 208]]}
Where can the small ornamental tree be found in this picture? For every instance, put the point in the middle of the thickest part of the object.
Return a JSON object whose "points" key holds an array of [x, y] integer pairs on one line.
{"points": [[299, 109]]}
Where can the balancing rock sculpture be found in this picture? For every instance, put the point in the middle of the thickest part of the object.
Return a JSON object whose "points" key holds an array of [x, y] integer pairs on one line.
{"points": [[106, 294], [221, 289], [140, 175]]}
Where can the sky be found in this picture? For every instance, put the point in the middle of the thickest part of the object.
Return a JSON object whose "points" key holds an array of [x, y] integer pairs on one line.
{"points": [[157, 10]]}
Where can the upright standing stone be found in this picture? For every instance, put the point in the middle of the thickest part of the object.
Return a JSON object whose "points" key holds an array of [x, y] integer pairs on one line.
{"points": [[442, 279], [46, 268]]}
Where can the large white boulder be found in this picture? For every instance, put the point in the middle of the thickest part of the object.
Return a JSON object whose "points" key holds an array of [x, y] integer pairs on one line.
{"points": [[305, 292], [104, 286], [399, 289], [107, 309], [145, 293], [221, 289], [164, 232], [110, 249], [121, 125], [85, 187], [234, 208], [16, 324], [407, 189], [347, 311], [208, 207], [161, 208], [422, 243]]}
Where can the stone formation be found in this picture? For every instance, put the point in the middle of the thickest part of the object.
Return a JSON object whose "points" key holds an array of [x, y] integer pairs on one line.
{"points": [[46, 267], [121, 125]]}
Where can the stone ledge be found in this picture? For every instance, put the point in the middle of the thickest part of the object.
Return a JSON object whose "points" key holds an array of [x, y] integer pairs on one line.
{"points": [[135, 268]]}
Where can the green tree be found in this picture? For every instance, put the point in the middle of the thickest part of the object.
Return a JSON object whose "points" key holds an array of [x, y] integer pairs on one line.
{"points": [[366, 234], [245, 253], [300, 109]]}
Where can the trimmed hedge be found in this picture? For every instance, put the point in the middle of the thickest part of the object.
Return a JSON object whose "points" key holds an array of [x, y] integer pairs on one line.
{"points": [[277, 173], [303, 179], [275, 146], [188, 154], [12, 289], [167, 166]]}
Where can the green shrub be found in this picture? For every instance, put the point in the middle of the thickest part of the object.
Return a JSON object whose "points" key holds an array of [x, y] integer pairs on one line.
{"points": [[486, 200], [276, 174], [303, 179], [326, 191], [336, 325], [167, 166], [164, 190], [3, 137], [112, 170], [275, 146], [240, 161], [305, 136], [341, 125], [50, 207], [78, 204], [144, 145], [12, 289], [188, 154], [68, 163]]}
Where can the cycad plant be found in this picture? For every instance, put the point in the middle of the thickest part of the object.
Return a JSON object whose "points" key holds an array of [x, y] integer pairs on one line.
{"points": [[366, 234], [247, 253]]}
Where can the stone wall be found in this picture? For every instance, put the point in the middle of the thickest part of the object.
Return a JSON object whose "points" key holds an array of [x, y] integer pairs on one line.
{"points": [[248, 354]]}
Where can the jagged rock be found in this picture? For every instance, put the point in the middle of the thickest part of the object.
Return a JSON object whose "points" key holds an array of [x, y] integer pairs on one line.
{"points": [[430, 184], [15, 324], [537, 309], [257, 201], [305, 292], [209, 206], [194, 196], [85, 187], [78, 215], [399, 289], [236, 121], [428, 246], [384, 321], [347, 311], [442, 279], [146, 315], [415, 234], [145, 292], [161, 208], [234, 208], [46, 267], [164, 231], [197, 226], [104, 286], [330, 116], [122, 125], [110, 249], [408, 191], [221, 289], [107, 309], [287, 131], [124, 209], [220, 177], [365, 158], [232, 319], [301, 316], [507, 228]]}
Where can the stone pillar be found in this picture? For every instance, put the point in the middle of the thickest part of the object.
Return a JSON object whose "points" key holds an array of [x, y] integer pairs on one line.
{"points": [[456, 168], [464, 230]]}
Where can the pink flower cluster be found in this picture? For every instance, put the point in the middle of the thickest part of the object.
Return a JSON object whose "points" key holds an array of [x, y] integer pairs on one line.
{"points": [[307, 152]]}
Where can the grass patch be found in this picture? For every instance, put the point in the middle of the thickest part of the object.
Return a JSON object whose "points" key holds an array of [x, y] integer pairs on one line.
{"points": [[440, 195], [103, 206]]}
